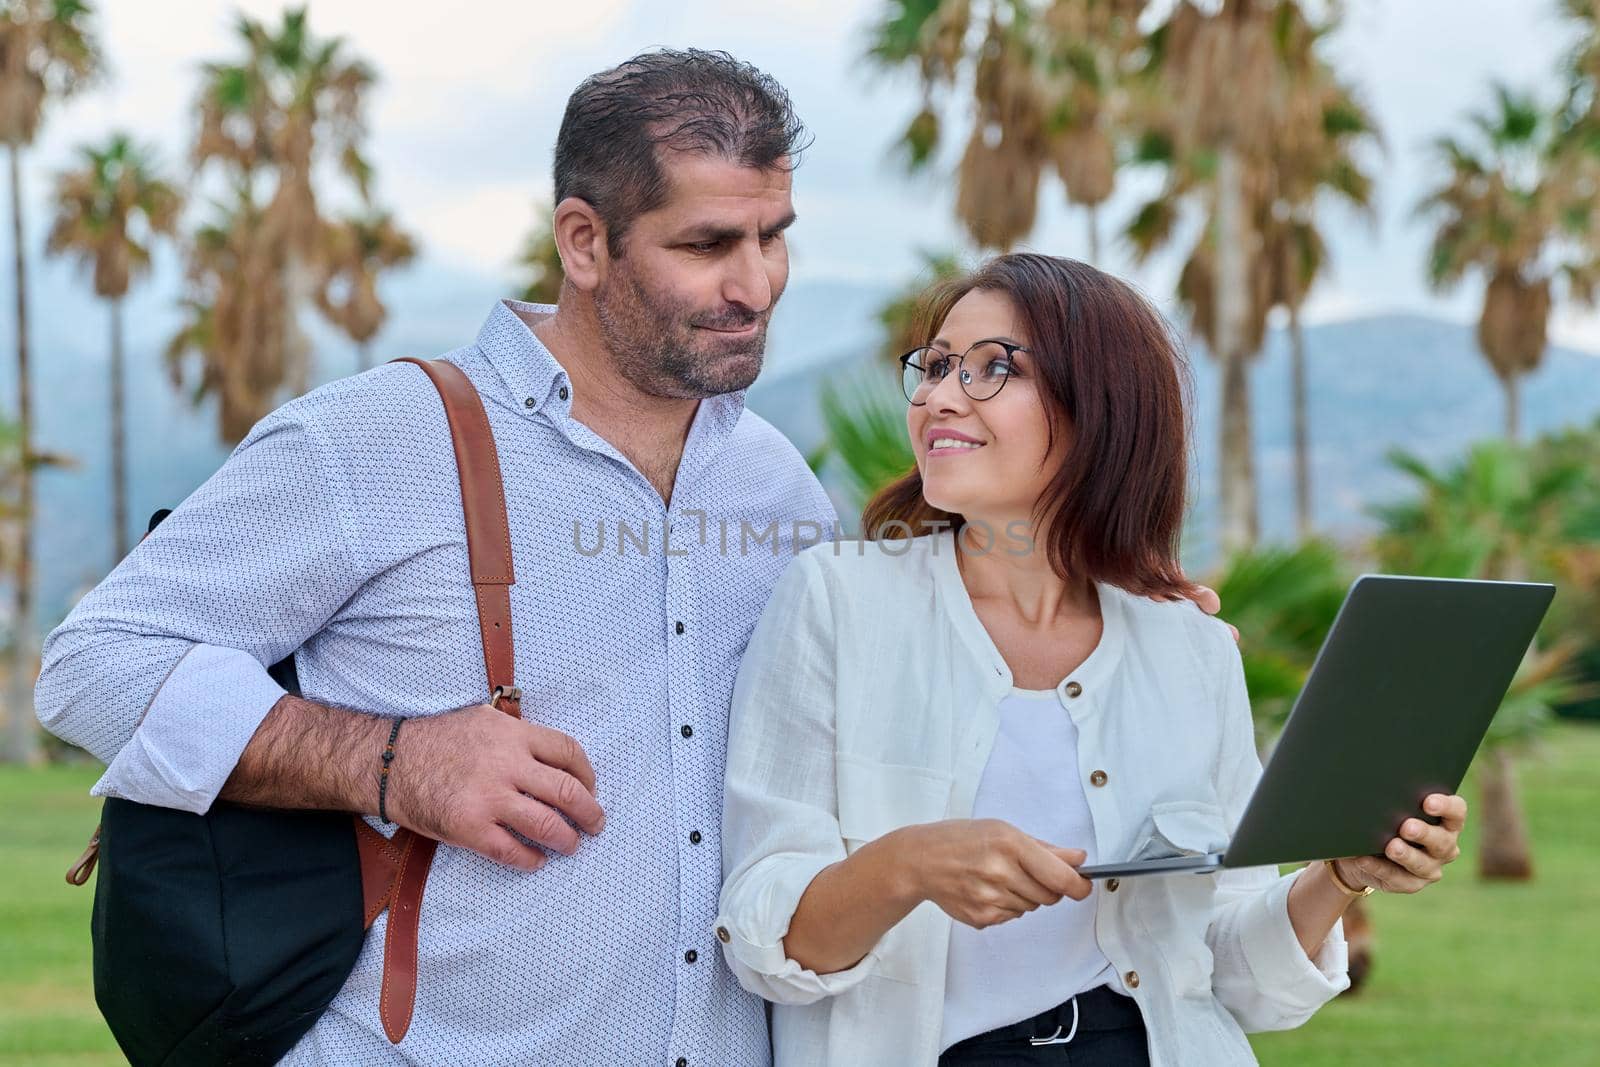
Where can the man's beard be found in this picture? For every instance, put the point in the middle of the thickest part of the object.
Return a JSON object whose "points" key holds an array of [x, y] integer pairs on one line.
{"points": [[659, 344]]}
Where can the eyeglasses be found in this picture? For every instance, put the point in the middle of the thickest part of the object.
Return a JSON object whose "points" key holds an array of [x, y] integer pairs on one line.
{"points": [[922, 369]]}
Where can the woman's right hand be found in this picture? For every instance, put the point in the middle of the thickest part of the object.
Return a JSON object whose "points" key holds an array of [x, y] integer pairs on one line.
{"points": [[983, 872]]}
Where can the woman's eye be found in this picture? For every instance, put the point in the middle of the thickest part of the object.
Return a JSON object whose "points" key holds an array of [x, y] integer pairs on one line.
{"points": [[998, 368], [937, 367]]}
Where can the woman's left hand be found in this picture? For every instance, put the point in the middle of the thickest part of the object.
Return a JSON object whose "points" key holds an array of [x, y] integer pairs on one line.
{"points": [[1416, 859]]}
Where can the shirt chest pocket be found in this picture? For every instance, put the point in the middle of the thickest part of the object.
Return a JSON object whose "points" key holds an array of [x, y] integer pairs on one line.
{"points": [[1175, 910], [876, 797]]}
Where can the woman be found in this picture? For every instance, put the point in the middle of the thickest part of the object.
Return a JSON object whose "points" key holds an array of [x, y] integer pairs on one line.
{"points": [[930, 733]]}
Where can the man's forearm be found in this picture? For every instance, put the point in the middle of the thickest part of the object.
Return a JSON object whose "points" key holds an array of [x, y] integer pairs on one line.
{"points": [[308, 755]]}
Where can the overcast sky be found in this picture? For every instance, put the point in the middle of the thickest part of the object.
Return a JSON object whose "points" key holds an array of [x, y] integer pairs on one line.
{"points": [[464, 119]]}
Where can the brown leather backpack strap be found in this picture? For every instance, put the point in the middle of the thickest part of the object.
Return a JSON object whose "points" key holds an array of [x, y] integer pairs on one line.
{"points": [[483, 503], [483, 506]]}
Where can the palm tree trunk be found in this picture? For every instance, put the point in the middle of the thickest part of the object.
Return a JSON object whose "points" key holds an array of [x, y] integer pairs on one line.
{"points": [[1093, 213], [119, 440], [22, 739], [1302, 432], [1513, 407], [1240, 526], [1503, 850]]}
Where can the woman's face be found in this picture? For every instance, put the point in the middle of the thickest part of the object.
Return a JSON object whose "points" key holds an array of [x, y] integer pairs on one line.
{"points": [[985, 459]]}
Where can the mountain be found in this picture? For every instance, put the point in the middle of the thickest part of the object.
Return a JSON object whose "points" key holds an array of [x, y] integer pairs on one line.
{"points": [[1375, 383]]}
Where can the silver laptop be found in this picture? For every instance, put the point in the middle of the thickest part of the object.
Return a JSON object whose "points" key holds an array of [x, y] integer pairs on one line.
{"points": [[1396, 704]]}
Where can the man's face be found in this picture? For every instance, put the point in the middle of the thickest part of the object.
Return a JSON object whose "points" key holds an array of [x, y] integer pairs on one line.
{"points": [[684, 311]]}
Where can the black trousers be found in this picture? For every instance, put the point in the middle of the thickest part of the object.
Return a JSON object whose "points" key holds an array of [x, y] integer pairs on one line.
{"points": [[1110, 1034]]}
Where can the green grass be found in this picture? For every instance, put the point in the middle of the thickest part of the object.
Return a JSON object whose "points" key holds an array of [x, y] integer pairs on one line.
{"points": [[1478, 973], [1466, 973], [47, 1012]]}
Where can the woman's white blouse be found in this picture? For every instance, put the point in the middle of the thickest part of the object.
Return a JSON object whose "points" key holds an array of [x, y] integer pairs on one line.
{"points": [[867, 700]]}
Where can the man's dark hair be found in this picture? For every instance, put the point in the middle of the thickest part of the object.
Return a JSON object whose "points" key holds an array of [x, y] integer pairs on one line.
{"points": [[617, 121]]}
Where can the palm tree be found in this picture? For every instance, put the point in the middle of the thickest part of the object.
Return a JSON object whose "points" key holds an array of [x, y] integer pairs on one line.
{"points": [[540, 262], [235, 315], [352, 254], [1227, 91], [107, 212], [47, 53], [1495, 514], [265, 120], [866, 421], [1318, 157], [1046, 94], [1509, 209]]}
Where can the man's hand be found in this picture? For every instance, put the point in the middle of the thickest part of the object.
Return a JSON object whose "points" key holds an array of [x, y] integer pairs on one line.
{"points": [[1210, 603], [479, 779], [474, 778]]}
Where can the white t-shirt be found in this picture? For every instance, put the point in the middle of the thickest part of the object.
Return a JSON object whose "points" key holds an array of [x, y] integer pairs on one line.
{"points": [[1003, 974]]}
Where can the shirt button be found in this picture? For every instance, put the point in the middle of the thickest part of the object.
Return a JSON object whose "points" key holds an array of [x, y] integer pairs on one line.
{"points": [[527, 401], [690, 956], [694, 837], [1132, 978], [679, 626], [686, 730], [681, 1062], [723, 935], [1112, 884], [1097, 778], [1074, 689], [563, 392]]}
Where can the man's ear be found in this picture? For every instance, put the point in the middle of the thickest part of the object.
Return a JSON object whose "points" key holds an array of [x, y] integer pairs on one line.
{"points": [[581, 239]]}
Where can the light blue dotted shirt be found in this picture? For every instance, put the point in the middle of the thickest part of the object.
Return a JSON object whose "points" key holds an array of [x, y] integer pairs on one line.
{"points": [[334, 531]]}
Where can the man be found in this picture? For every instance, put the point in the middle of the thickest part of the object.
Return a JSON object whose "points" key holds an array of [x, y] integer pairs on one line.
{"points": [[569, 914]]}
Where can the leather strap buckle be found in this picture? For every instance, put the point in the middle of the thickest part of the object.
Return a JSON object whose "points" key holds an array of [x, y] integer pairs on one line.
{"points": [[505, 692]]}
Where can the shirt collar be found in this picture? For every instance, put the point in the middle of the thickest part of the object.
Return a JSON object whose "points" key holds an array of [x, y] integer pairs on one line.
{"points": [[526, 367], [529, 371]]}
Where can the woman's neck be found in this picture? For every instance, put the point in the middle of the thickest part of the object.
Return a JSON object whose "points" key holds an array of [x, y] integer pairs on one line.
{"points": [[1006, 563]]}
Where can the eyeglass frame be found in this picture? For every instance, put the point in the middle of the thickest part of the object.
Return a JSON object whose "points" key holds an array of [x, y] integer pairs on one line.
{"points": [[1010, 348]]}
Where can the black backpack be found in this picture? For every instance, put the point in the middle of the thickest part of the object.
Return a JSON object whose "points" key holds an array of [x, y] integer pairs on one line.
{"points": [[222, 938]]}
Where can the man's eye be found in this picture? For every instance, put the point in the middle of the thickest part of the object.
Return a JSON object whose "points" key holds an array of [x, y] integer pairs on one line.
{"points": [[704, 247]]}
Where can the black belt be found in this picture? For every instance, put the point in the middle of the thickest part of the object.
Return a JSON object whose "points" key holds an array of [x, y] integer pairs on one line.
{"points": [[1097, 1010]]}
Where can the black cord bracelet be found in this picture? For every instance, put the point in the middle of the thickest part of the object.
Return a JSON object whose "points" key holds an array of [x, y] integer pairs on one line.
{"points": [[383, 774]]}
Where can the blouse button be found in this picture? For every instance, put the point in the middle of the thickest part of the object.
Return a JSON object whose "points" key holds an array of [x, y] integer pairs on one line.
{"points": [[723, 935], [1097, 778], [1112, 884], [1074, 689], [1132, 978]]}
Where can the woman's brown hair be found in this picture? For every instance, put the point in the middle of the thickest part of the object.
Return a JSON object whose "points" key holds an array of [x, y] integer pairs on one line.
{"points": [[1112, 373]]}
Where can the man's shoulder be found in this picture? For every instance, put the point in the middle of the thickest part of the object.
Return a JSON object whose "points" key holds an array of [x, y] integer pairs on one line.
{"points": [[382, 408], [770, 461]]}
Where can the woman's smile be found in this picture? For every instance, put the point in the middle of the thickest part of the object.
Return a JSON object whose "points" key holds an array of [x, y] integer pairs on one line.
{"points": [[950, 443]]}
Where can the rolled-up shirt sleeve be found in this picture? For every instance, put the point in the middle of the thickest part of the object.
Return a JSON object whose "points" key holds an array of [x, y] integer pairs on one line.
{"points": [[780, 824], [160, 671], [1261, 974]]}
